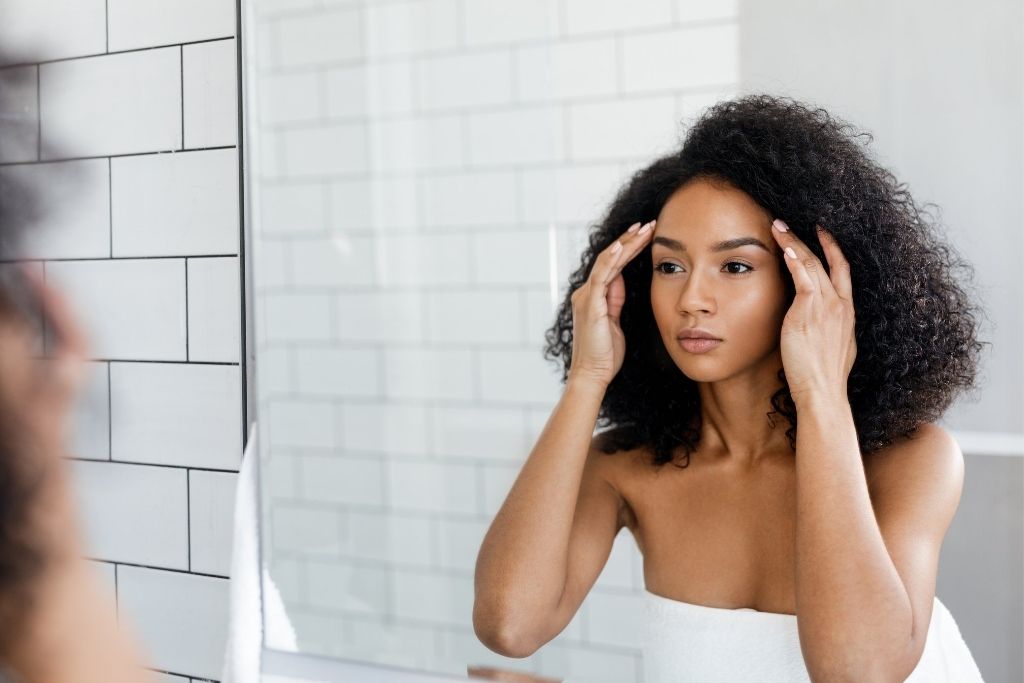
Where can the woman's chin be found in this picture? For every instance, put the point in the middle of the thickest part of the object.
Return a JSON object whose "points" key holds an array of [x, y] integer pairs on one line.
{"points": [[700, 370]]}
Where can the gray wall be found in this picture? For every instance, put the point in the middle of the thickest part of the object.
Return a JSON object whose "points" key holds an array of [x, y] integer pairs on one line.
{"points": [[980, 566], [939, 85]]}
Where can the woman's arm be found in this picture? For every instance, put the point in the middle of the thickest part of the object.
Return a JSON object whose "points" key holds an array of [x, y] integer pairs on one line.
{"points": [[522, 563], [851, 603], [865, 575], [866, 555]]}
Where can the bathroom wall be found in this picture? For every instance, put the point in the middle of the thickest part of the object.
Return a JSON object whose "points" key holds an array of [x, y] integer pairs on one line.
{"points": [[425, 173], [138, 98]]}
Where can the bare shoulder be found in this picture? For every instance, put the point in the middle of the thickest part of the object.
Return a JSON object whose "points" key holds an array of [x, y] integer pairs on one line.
{"points": [[929, 457], [616, 459], [615, 465]]}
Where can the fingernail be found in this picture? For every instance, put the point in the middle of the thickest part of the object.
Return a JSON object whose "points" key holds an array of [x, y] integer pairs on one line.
{"points": [[647, 226], [780, 225], [616, 247], [790, 253], [634, 227]]}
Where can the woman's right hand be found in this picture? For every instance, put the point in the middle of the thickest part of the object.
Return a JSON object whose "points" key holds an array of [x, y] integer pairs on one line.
{"points": [[598, 345], [37, 399]]}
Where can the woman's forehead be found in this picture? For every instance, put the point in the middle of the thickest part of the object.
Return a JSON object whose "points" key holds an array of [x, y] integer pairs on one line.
{"points": [[703, 213]]}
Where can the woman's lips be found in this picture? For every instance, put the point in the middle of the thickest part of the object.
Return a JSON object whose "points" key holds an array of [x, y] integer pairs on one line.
{"points": [[695, 345]]}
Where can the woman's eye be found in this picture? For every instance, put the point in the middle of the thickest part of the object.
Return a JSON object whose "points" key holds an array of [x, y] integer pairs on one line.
{"points": [[737, 263], [660, 266]]}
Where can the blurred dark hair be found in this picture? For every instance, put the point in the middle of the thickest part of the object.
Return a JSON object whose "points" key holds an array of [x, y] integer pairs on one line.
{"points": [[20, 200], [916, 326], [21, 468]]}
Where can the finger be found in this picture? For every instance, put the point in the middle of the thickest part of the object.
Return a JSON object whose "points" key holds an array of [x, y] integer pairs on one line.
{"points": [[602, 271], [811, 265], [839, 267], [71, 345], [610, 254], [804, 281], [631, 244], [616, 297]]}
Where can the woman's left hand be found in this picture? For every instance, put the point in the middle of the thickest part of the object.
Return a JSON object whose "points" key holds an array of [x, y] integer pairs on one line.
{"points": [[818, 343]]}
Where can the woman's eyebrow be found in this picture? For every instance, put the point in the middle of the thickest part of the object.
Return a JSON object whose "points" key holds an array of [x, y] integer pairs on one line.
{"points": [[724, 245]]}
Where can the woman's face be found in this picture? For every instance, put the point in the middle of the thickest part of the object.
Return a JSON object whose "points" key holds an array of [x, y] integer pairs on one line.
{"points": [[736, 292]]}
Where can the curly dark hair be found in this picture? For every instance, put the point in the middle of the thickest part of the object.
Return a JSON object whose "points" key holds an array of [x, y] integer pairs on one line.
{"points": [[916, 325]]}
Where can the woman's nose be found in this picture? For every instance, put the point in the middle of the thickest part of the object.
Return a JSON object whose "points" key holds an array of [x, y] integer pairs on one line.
{"points": [[696, 295]]}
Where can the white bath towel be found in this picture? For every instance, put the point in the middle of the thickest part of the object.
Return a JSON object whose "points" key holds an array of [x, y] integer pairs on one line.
{"points": [[687, 642], [246, 618]]}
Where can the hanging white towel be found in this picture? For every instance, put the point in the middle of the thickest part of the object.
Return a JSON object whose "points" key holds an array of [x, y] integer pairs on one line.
{"points": [[246, 624]]}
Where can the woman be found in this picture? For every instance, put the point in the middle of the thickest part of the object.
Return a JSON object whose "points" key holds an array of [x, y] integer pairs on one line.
{"points": [[56, 623], [770, 553]]}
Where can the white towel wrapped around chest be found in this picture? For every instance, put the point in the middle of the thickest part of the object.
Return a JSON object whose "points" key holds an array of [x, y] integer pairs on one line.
{"points": [[687, 642]]}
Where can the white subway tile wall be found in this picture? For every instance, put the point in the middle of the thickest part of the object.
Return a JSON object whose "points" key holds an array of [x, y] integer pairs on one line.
{"points": [[54, 29], [135, 513], [426, 175], [134, 140], [181, 414], [123, 103], [91, 420], [211, 514], [135, 24], [179, 616], [210, 93], [131, 308], [214, 311], [175, 204], [78, 227]]}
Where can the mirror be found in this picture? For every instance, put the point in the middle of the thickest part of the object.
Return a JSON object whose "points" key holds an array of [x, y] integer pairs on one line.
{"points": [[423, 176]]}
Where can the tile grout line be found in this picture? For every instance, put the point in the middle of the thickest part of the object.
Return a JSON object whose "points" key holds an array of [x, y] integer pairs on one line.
{"points": [[212, 148], [181, 74], [186, 312], [164, 465], [171, 570], [110, 203], [110, 414], [118, 258], [188, 514], [93, 55]]}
